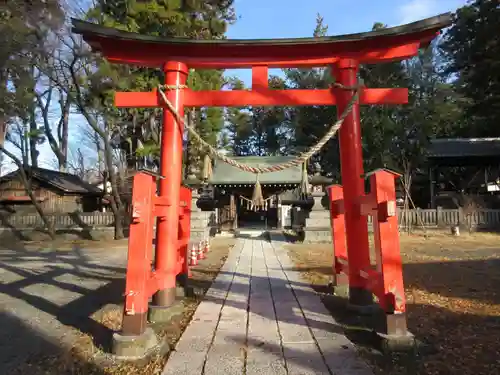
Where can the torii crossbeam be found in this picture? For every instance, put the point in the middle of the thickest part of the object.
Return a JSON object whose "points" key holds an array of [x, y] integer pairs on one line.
{"points": [[343, 53]]}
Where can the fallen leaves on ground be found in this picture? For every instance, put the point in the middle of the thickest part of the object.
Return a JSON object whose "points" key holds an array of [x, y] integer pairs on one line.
{"points": [[84, 358], [452, 295]]}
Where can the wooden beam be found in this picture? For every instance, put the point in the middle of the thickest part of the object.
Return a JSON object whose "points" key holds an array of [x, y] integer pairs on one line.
{"points": [[260, 78], [241, 98], [155, 55]]}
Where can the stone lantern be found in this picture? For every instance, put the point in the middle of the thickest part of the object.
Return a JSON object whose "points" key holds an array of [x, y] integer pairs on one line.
{"points": [[317, 227], [318, 185], [202, 207], [203, 197]]}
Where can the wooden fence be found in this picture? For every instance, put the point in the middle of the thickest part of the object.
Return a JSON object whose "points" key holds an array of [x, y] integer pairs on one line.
{"points": [[479, 219], [438, 218], [484, 218], [61, 221]]}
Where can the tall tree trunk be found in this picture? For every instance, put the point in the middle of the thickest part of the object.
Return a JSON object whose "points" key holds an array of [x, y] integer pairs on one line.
{"points": [[32, 139], [3, 132], [58, 143], [63, 134], [25, 145], [115, 201]]}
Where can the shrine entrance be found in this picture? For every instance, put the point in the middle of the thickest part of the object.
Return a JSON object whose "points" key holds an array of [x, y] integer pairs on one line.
{"points": [[259, 218], [235, 188], [349, 204]]}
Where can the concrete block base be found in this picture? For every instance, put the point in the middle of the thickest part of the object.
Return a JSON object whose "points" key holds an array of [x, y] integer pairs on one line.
{"points": [[134, 347], [341, 291], [185, 292], [317, 235], [397, 343], [162, 314], [364, 309], [361, 301], [183, 289]]}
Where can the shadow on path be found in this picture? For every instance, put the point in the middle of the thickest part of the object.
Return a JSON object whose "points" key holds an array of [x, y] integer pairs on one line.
{"points": [[35, 358], [70, 285]]}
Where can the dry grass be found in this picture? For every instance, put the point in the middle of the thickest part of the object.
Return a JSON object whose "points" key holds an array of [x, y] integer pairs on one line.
{"points": [[453, 300], [85, 358]]}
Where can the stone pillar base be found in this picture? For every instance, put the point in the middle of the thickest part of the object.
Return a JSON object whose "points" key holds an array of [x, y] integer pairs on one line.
{"points": [[183, 288], [361, 301], [161, 314], [341, 291], [317, 235], [397, 343], [134, 347]]}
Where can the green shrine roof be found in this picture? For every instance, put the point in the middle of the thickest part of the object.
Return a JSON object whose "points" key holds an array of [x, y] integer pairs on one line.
{"points": [[225, 174]]}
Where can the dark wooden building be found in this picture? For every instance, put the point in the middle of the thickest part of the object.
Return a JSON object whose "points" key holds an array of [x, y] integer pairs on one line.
{"points": [[233, 189], [476, 165], [56, 191]]}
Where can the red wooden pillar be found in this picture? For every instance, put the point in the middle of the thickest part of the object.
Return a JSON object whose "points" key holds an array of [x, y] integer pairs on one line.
{"points": [[351, 155], [184, 235], [337, 217], [171, 169], [139, 255], [387, 249]]}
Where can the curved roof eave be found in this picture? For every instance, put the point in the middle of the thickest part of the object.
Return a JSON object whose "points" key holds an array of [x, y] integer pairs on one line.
{"points": [[134, 48]]}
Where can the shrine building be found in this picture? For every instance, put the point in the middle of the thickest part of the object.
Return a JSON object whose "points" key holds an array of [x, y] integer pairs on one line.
{"points": [[233, 189]]}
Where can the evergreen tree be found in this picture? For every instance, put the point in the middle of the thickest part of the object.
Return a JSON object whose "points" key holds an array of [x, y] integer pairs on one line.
{"points": [[270, 125], [397, 137], [239, 126], [167, 18], [208, 121], [258, 130], [309, 124], [472, 49]]}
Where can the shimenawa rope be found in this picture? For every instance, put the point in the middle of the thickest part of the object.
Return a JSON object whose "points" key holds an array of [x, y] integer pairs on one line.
{"points": [[299, 160]]}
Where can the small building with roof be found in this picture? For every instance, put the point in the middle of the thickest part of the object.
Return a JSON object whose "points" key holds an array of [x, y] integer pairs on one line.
{"points": [[483, 154], [57, 192], [233, 189]]}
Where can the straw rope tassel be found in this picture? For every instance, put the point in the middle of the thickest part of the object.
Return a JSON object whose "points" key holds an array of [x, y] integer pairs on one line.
{"points": [[257, 197], [304, 183], [207, 168]]}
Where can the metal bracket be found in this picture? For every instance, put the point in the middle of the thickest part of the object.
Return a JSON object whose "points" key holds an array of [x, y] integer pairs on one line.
{"points": [[338, 207], [137, 212], [386, 210]]}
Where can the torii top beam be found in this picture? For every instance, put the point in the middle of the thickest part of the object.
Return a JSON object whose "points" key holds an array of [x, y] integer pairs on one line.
{"points": [[390, 44]]}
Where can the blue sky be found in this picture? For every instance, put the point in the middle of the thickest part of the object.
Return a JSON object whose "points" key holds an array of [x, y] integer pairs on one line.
{"points": [[297, 18]]}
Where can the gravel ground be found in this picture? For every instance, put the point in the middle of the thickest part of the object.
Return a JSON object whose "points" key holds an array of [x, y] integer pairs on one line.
{"points": [[59, 305], [47, 297]]}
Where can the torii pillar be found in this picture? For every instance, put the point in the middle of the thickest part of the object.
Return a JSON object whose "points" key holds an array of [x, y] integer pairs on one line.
{"points": [[351, 163], [171, 169], [343, 53]]}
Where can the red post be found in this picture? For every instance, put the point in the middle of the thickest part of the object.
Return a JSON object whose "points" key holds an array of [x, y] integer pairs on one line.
{"points": [[389, 265], [170, 184], [139, 255], [351, 156], [184, 235], [337, 217]]}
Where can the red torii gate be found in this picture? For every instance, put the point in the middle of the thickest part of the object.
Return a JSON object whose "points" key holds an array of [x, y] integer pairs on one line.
{"points": [[344, 53]]}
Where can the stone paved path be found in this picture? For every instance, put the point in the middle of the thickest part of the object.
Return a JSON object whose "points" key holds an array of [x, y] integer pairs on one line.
{"points": [[259, 318]]}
